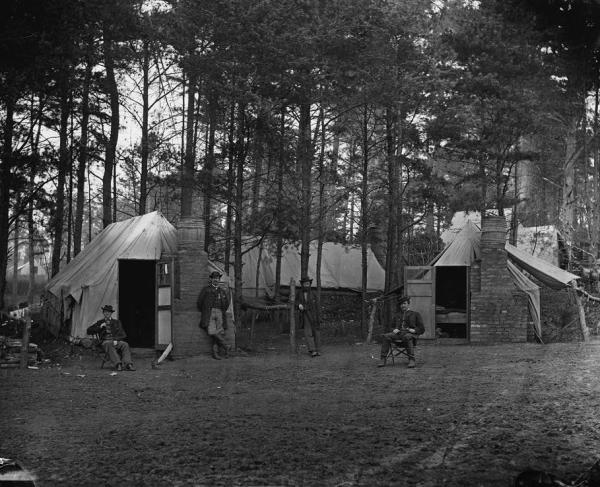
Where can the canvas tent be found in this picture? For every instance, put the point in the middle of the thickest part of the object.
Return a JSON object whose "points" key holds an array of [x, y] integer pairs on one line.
{"points": [[465, 249], [340, 268], [128, 265]]}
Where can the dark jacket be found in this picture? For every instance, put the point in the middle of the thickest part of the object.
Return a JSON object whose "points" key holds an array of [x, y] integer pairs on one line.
{"points": [[311, 309], [112, 331], [409, 319], [212, 297]]}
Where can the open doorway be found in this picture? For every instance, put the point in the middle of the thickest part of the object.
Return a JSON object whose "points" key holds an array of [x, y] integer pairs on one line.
{"points": [[137, 301], [451, 302]]}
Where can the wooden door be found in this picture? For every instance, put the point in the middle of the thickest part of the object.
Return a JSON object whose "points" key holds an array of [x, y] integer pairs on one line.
{"points": [[419, 286], [164, 301]]}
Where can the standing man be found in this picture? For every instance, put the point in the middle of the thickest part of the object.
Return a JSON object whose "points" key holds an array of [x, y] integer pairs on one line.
{"points": [[213, 303], [407, 326], [309, 317], [112, 336]]}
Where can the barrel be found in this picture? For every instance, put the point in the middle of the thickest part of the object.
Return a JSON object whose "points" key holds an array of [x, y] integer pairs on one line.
{"points": [[493, 231]]}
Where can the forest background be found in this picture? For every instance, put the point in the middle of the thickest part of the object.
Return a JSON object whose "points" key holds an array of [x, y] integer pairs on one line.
{"points": [[366, 122]]}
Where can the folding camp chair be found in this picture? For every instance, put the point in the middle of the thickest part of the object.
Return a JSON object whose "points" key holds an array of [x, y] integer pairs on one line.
{"points": [[398, 349], [97, 347]]}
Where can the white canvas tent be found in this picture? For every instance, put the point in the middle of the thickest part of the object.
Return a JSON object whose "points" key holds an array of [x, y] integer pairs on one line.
{"points": [[340, 268], [465, 248], [91, 279]]}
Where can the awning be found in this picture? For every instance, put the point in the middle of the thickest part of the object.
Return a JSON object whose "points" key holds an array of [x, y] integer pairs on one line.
{"points": [[549, 274]]}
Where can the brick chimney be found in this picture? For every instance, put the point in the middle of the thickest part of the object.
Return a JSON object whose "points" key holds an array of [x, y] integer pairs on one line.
{"points": [[498, 311]]}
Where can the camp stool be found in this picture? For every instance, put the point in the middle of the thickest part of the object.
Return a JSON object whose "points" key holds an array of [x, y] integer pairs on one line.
{"points": [[398, 349], [100, 351]]}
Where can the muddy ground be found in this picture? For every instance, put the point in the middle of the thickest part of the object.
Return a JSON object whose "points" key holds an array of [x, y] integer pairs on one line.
{"points": [[466, 416]]}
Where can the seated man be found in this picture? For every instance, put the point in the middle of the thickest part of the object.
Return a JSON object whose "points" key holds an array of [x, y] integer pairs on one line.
{"points": [[407, 326], [112, 336]]}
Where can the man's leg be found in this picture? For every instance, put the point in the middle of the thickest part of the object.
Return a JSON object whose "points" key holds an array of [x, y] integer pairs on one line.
{"points": [[317, 337], [385, 348], [308, 336], [123, 348], [410, 350], [112, 353]]}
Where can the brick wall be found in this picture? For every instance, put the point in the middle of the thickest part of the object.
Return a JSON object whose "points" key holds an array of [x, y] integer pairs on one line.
{"points": [[498, 310], [191, 275]]}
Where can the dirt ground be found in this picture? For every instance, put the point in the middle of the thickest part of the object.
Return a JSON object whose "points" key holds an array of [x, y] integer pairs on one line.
{"points": [[466, 416]]}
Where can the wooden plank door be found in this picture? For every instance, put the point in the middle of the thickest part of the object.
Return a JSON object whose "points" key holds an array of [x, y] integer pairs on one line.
{"points": [[164, 301], [419, 286]]}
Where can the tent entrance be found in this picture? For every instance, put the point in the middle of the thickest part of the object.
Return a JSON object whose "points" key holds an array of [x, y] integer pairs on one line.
{"points": [[451, 301], [137, 301]]}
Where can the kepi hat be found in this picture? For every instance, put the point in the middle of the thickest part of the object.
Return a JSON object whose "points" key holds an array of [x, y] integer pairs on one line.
{"points": [[305, 279], [108, 307], [403, 299], [215, 275]]}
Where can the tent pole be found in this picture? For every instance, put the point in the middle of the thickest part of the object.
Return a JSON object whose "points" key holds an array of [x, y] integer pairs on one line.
{"points": [[293, 346]]}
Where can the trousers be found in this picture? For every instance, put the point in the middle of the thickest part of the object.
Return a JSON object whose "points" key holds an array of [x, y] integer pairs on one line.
{"points": [[215, 329], [404, 338], [117, 353]]}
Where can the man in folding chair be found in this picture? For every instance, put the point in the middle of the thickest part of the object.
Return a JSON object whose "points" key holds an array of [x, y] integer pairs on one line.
{"points": [[408, 325], [112, 337]]}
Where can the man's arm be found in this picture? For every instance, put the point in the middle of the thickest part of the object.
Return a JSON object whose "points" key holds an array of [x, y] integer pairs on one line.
{"points": [[118, 331], [95, 328], [200, 300], [419, 326]]}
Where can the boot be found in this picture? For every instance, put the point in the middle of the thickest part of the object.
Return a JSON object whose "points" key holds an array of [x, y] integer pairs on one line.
{"points": [[382, 362], [215, 353], [411, 363], [225, 352]]}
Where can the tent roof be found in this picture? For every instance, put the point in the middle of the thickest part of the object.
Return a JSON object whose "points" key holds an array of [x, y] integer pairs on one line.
{"points": [[549, 274], [340, 268], [463, 250], [466, 247], [143, 237]]}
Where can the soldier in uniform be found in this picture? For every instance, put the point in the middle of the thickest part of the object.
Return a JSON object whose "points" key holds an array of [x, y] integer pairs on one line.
{"points": [[407, 325], [309, 317], [213, 302]]}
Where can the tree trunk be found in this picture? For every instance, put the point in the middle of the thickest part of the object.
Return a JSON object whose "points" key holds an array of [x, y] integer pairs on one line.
{"points": [[5, 167], [63, 158], [187, 182], [393, 199], [280, 175], [230, 186], [304, 154], [238, 205], [364, 216], [567, 211], [15, 282], [144, 149], [209, 166], [321, 213], [83, 156], [111, 148]]}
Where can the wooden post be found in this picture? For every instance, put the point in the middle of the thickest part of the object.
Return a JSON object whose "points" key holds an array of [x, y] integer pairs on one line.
{"points": [[584, 329], [254, 313], [293, 346], [372, 321], [25, 342]]}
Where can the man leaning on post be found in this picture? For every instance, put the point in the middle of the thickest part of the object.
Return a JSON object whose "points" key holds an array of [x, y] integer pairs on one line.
{"points": [[407, 325]]}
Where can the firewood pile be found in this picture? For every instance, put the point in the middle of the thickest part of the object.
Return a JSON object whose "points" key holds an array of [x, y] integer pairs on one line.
{"points": [[10, 352]]}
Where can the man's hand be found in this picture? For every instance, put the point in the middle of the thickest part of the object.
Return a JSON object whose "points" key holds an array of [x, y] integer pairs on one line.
{"points": [[103, 325], [412, 330], [115, 342], [395, 331], [301, 307]]}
